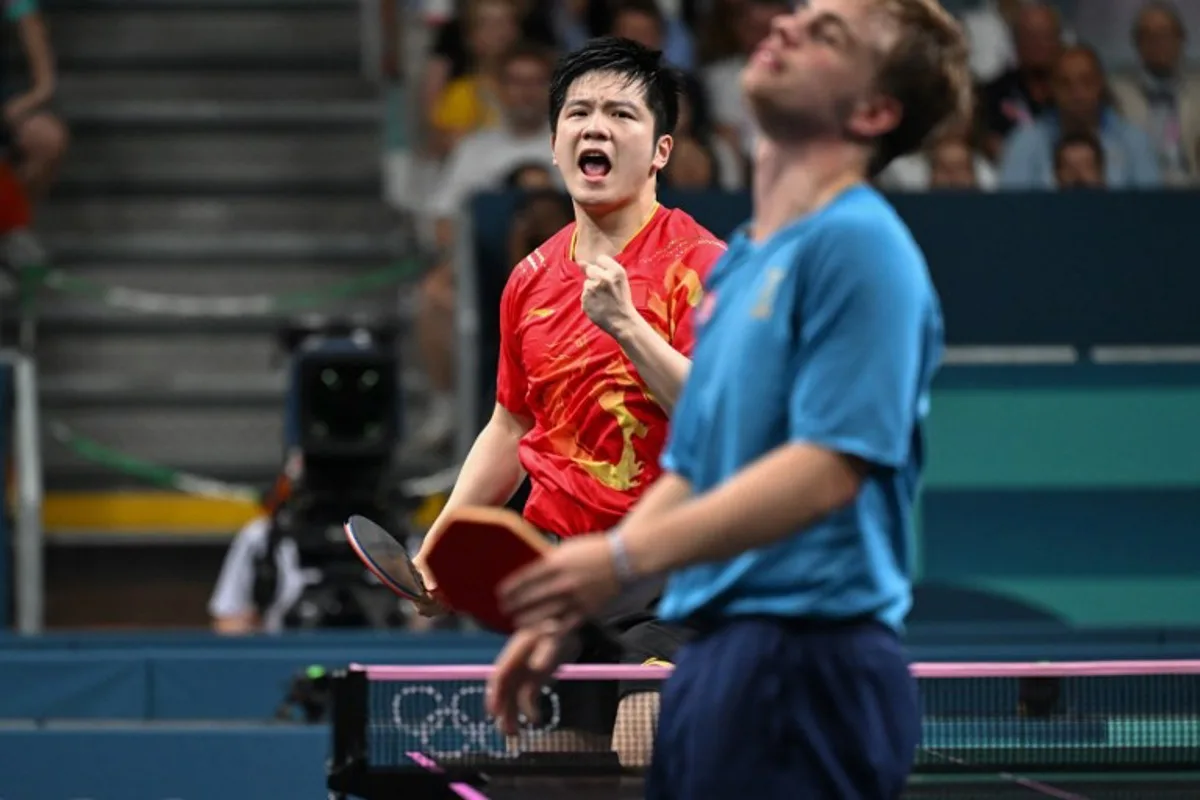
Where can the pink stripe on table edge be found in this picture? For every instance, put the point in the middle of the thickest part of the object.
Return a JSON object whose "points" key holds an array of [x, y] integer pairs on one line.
{"points": [[464, 790], [610, 672]]}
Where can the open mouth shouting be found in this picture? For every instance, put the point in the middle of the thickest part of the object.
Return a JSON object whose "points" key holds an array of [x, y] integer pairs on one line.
{"points": [[595, 165]]}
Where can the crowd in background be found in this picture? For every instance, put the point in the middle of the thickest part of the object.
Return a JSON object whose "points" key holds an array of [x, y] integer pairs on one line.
{"points": [[1050, 113]]}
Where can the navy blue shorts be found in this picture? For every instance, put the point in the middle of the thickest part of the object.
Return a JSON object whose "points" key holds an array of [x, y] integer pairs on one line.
{"points": [[776, 709]]}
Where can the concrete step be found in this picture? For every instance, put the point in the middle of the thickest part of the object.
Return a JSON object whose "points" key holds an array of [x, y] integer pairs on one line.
{"points": [[115, 358], [206, 34], [213, 216], [81, 475], [301, 160], [223, 114], [340, 249], [125, 85], [205, 440], [171, 391]]}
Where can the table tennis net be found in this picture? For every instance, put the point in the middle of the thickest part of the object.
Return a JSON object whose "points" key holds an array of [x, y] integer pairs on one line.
{"points": [[1091, 716]]}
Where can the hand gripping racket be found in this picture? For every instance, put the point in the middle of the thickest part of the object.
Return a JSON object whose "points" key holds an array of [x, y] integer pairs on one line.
{"points": [[470, 555], [386, 558]]}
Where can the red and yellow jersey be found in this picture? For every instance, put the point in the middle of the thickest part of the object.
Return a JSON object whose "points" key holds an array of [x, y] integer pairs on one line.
{"points": [[597, 433]]}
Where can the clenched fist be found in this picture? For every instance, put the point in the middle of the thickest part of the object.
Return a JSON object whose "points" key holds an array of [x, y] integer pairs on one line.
{"points": [[606, 297]]}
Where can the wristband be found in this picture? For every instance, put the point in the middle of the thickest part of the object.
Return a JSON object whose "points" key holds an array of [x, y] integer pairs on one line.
{"points": [[620, 557]]}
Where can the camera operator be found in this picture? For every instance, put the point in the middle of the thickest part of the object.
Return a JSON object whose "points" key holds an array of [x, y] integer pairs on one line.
{"points": [[292, 567], [235, 609]]}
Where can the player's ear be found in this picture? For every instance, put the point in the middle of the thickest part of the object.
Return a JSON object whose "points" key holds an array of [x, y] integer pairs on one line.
{"points": [[875, 116], [553, 141], [662, 152]]}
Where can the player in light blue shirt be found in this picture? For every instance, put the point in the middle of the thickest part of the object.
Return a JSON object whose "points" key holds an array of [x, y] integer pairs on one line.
{"points": [[784, 516]]}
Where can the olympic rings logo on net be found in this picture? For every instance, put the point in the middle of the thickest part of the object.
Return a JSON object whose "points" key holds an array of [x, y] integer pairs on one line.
{"points": [[427, 714]]}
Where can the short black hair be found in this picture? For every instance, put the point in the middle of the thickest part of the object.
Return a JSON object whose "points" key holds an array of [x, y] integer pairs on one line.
{"points": [[638, 65]]}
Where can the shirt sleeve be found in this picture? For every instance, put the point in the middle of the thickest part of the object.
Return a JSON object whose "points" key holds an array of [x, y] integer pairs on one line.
{"points": [[687, 291], [678, 454], [1144, 168], [234, 593], [458, 181], [866, 322], [511, 379], [1022, 164]]}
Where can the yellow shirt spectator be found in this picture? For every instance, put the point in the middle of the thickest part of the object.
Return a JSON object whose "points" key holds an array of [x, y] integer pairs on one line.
{"points": [[466, 105]]}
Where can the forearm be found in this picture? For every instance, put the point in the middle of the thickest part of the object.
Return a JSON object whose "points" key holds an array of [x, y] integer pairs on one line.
{"points": [[491, 472], [663, 368], [667, 493], [36, 42], [782, 493]]}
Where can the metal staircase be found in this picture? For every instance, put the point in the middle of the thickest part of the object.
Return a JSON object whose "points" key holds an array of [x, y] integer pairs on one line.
{"points": [[219, 148]]}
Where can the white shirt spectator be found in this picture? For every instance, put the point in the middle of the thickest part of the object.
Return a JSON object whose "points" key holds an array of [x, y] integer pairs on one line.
{"points": [[233, 595], [992, 49], [723, 82], [482, 161], [910, 173]]}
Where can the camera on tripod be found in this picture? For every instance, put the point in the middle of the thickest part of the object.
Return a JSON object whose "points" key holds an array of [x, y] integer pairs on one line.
{"points": [[342, 428]]}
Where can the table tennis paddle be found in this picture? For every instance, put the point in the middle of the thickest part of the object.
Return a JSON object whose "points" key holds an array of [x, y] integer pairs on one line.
{"points": [[470, 554], [473, 552], [386, 557]]}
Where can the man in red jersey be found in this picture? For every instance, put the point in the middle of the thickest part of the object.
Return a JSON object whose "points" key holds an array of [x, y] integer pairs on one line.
{"points": [[596, 333]]}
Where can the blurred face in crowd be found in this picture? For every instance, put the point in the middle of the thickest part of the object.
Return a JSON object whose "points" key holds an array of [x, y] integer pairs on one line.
{"points": [[492, 28], [816, 71], [1159, 39], [952, 165], [1078, 89], [532, 178], [525, 92], [543, 216], [691, 166], [641, 28], [605, 143], [753, 22], [1078, 167], [1038, 38]]}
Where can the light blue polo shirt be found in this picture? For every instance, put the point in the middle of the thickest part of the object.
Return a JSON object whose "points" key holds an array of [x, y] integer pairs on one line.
{"points": [[1130, 159], [827, 333]]}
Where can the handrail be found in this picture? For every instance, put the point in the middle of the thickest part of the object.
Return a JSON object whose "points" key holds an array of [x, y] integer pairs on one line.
{"points": [[28, 543]]}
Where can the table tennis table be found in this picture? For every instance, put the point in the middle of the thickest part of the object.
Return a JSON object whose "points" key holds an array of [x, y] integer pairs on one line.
{"points": [[1100, 731]]}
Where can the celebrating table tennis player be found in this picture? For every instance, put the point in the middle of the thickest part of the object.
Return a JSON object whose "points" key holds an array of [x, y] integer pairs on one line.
{"points": [[783, 517], [595, 341]]}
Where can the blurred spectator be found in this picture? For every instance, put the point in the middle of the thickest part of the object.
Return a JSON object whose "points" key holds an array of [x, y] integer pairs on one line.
{"points": [[1080, 97], [951, 161], [658, 25], [235, 608], [462, 81], [1079, 162], [1163, 100], [716, 30], [37, 136], [541, 214], [482, 161], [701, 159], [530, 177], [953, 165], [723, 79], [989, 31], [1022, 93]]}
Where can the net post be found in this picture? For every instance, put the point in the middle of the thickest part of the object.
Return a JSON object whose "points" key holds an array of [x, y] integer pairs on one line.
{"points": [[348, 718]]}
